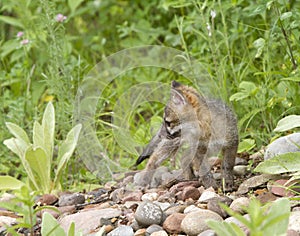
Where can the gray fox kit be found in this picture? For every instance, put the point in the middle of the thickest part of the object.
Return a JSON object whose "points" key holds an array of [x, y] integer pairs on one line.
{"points": [[199, 125]]}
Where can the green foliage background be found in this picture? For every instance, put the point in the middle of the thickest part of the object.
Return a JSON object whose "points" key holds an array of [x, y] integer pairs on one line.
{"points": [[251, 48]]}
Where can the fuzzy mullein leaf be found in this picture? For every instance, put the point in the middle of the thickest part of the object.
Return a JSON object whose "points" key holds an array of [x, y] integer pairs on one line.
{"points": [[40, 165], [17, 131], [66, 150], [11, 183], [48, 124]]}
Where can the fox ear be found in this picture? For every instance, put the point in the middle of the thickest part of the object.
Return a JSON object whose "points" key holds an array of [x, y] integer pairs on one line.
{"points": [[177, 98], [175, 84]]}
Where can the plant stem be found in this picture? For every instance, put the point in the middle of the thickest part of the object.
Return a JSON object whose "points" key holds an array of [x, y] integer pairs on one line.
{"points": [[286, 39]]}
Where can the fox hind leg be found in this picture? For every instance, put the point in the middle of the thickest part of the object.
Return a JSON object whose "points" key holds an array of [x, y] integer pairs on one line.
{"points": [[229, 154]]}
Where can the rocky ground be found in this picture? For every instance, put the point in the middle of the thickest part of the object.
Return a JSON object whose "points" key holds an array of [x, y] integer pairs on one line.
{"points": [[168, 206]]}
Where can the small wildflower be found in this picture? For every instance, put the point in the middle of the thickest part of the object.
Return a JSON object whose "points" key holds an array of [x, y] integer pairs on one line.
{"points": [[60, 18], [208, 29], [213, 14], [24, 42], [20, 34]]}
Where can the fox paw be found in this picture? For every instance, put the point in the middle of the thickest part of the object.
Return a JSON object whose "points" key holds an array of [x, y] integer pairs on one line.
{"points": [[209, 181]]}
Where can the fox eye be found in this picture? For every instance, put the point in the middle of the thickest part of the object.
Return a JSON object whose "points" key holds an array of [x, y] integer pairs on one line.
{"points": [[168, 123]]}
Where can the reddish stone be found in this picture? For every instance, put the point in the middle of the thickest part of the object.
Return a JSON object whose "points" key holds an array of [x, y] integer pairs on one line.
{"points": [[47, 199], [133, 196], [280, 188], [173, 223], [190, 192], [180, 186]]}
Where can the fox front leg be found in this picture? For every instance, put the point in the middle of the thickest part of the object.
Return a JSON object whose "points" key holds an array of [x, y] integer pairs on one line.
{"points": [[166, 148]]}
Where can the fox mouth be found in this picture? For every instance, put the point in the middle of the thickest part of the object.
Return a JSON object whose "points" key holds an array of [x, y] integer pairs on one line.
{"points": [[174, 135]]}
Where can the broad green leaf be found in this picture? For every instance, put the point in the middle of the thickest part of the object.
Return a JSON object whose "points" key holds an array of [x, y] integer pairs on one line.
{"points": [[286, 15], [19, 147], [238, 96], [71, 231], [288, 162], [38, 135], [7, 47], [48, 124], [40, 165], [73, 4], [277, 219], [11, 21], [288, 123], [269, 4], [66, 150], [248, 87], [246, 145], [17, 131], [50, 227], [10, 183], [259, 45]]}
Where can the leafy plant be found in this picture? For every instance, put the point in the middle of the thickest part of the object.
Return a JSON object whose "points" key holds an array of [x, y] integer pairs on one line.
{"points": [[283, 163], [269, 220], [23, 204], [50, 227], [37, 157], [287, 162]]}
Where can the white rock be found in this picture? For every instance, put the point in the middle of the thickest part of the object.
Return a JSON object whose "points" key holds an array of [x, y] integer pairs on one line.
{"points": [[150, 197], [122, 230], [191, 208], [239, 204], [294, 221], [195, 222], [159, 233], [87, 221], [163, 205], [240, 170], [6, 220], [206, 195]]}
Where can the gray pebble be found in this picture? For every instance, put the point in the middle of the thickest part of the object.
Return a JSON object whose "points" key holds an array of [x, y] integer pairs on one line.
{"points": [[71, 199], [148, 213], [153, 228], [122, 230]]}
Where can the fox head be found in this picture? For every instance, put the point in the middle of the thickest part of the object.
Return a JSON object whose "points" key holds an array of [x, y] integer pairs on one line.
{"points": [[180, 114]]}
